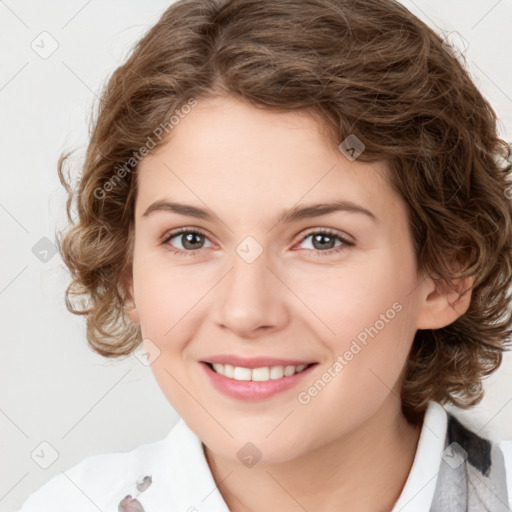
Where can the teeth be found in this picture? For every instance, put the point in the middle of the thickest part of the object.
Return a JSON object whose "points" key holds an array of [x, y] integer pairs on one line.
{"points": [[242, 373], [289, 371], [260, 374], [257, 374], [276, 372]]}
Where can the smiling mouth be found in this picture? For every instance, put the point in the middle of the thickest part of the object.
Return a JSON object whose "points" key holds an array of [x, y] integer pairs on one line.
{"points": [[262, 374]]}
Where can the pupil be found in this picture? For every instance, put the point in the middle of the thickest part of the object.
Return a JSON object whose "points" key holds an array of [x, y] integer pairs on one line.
{"points": [[189, 238], [319, 237]]}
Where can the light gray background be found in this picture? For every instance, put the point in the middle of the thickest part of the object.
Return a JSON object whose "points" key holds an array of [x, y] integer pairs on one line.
{"points": [[54, 388]]}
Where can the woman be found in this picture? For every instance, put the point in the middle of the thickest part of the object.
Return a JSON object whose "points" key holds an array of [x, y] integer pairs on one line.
{"points": [[300, 209]]}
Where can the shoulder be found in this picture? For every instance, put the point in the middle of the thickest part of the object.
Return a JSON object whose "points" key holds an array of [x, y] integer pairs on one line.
{"points": [[101, 482], [505, 446], [454, 464], [486, 470]]}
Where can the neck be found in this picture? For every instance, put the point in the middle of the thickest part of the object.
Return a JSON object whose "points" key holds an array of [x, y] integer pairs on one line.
{"points": [[365, 470]]}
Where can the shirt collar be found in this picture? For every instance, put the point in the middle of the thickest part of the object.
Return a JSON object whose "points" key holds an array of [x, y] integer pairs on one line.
{"points": [[419, 488], [191, 483]]}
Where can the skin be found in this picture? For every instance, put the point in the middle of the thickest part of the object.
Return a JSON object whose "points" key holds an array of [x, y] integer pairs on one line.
{"points": [[296, 300]]}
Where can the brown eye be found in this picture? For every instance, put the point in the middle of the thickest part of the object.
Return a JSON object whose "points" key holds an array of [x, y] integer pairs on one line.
{"points": [[190, 240], [324, 241]]}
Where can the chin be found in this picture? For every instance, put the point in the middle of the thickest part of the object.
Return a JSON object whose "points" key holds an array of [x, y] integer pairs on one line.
{"points": [[249, 447]]}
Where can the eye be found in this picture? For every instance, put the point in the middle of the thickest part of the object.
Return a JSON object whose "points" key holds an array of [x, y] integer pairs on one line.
{"points": [[191, 240], [323, 242]]}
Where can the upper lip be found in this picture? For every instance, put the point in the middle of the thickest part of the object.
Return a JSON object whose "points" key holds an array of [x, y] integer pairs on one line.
{"points": [[255, 362]]}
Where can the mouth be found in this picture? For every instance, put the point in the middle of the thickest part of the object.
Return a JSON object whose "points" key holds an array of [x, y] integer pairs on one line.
{"points": [[255, 383], [261, 374]]}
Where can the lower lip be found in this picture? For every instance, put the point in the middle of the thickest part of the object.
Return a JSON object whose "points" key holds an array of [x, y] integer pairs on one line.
{"points": [[254, 390]]}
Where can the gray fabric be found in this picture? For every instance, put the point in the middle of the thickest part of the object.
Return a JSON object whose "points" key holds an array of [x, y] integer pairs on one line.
{"points": [[471, 475]]}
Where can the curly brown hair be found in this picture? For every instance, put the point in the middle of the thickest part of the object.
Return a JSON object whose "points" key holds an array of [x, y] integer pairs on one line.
{"points": [[366, 67]]}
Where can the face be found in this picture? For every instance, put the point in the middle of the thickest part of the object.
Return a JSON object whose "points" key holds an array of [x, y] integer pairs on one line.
{"points": [[248, 275]]}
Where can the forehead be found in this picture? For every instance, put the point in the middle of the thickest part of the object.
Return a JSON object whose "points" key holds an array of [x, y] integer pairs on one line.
{"points": [[226, 152]]}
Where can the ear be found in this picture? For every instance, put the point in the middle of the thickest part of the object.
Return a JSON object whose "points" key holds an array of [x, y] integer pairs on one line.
{"points": [[442, 303], [127, 284]]}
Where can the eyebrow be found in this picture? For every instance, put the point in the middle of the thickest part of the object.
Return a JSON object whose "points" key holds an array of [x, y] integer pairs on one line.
{"points": [[287, 216]]}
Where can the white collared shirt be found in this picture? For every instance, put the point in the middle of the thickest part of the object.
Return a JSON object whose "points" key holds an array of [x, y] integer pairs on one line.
{"points": [[182, 480]]}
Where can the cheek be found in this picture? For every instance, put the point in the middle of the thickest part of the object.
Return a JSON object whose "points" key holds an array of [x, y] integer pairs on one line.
{"points": [[365, 319], [163, 294], [154, 304], [165, 303], [172, 304], [346, 302]]}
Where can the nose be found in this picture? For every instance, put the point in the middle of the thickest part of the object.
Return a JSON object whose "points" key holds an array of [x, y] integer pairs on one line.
{"points": [[251, 298]]}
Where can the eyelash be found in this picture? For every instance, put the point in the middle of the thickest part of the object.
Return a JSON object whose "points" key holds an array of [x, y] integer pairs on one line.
{"points": [[178, 252]]}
